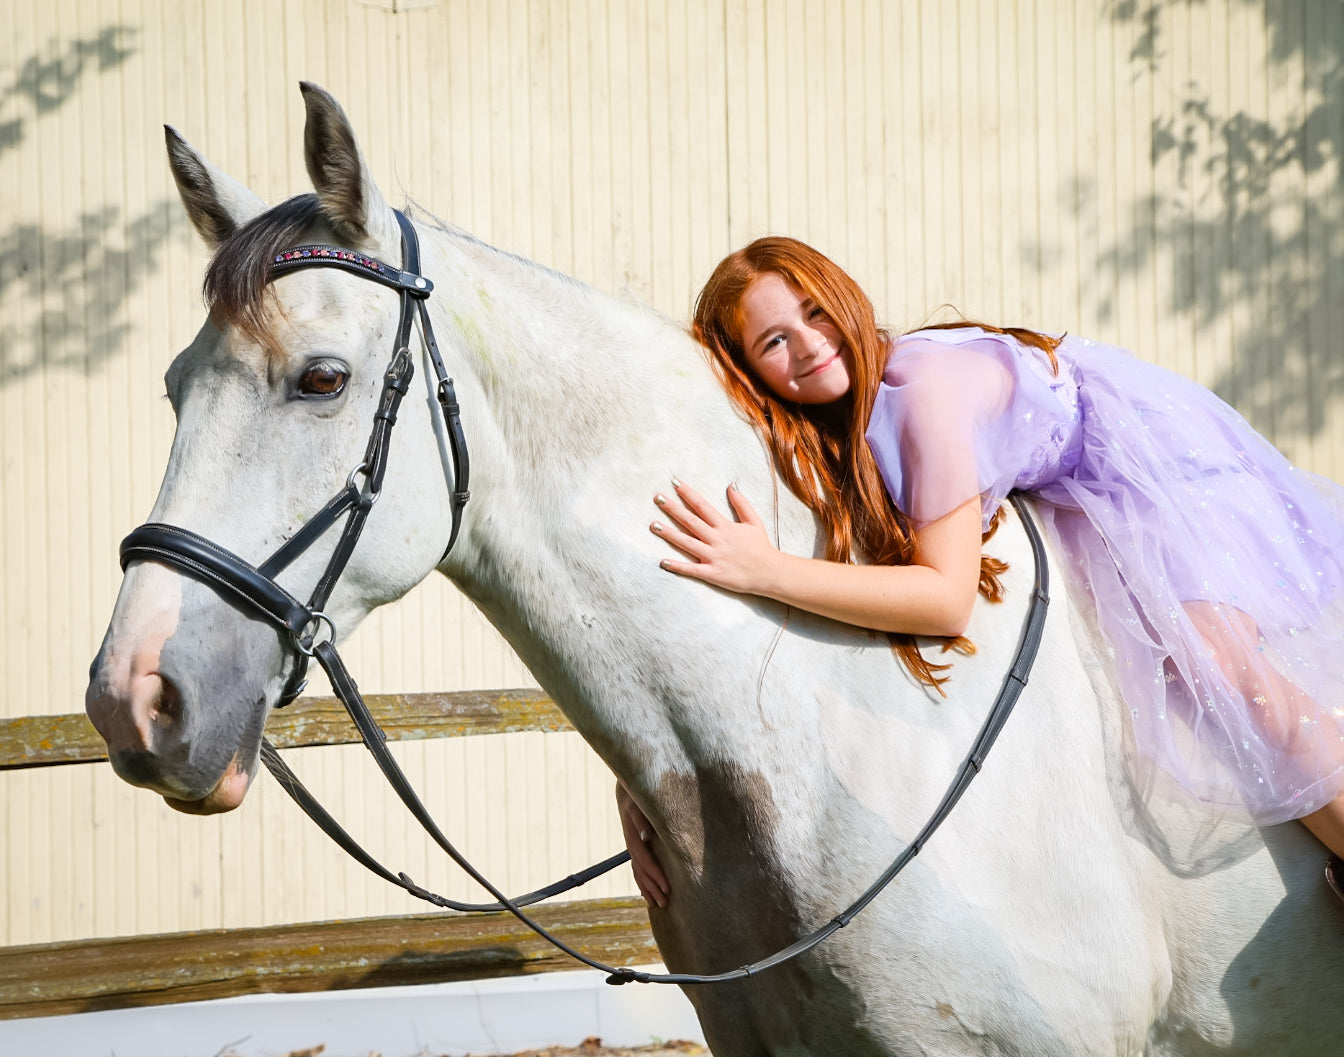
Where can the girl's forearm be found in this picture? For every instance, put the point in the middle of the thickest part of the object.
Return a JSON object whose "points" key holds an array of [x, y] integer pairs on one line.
{"points": [[913, 599], [932, 596]]}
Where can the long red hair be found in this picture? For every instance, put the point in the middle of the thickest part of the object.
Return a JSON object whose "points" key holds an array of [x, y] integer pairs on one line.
{"points": [[820, 451]]}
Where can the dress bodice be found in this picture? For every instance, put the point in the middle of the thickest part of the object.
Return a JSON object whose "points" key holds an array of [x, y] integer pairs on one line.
{"points": [[963, 412]]}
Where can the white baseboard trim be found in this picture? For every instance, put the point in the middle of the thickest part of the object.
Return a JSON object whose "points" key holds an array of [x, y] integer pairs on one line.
{"points": [[498, 1016]]}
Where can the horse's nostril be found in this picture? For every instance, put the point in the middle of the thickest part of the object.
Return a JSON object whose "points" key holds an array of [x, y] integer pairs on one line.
{"points": [[166, 710], [133, 713]]}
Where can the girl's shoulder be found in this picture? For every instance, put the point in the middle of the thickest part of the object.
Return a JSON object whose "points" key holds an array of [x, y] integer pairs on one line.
{"points": [[951, 350], [943, 355], [1070, 345], [931, 339]]}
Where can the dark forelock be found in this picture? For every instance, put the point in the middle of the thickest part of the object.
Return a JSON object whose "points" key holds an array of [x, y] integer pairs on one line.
{"points": [[235, 282]]}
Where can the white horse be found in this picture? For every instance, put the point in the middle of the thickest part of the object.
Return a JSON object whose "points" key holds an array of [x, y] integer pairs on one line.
{"points": [[781, 769]]}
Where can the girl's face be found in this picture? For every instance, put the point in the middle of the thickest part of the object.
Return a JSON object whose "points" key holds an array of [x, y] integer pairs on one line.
{"points": [[791, 345]]}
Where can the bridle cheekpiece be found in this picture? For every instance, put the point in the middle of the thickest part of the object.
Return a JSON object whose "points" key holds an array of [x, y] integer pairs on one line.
{"points": [[255, 586]]}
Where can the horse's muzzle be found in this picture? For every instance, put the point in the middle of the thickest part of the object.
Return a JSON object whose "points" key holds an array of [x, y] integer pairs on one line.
{"points": [[227, 794]]}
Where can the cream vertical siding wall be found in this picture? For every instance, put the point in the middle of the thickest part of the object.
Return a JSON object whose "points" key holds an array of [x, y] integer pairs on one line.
{"points": [[1162, 174]]}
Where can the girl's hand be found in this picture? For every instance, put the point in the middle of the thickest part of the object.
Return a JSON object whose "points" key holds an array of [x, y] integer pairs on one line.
{"points": [[635, 827], [733, 554]]}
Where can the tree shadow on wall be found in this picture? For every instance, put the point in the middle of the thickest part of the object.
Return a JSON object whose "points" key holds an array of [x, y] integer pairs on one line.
{"points": [[82, 283], [46, 81], [76, 279], [1269, 248]]}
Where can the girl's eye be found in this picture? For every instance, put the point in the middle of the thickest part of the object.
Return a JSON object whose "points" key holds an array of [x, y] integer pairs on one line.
{"points": [[817, 312], [322, 379]]}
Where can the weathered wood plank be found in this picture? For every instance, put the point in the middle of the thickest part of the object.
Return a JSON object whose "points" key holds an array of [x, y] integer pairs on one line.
{"points": [[45, 741], [41, 741], [80, 976], [411, 717]]}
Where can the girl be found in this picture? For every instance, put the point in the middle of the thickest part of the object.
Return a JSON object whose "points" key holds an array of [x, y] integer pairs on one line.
{"points": [[1214, 569]]}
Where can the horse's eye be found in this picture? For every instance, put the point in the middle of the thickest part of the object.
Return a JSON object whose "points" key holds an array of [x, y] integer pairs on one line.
{"points": [[322, 379]]}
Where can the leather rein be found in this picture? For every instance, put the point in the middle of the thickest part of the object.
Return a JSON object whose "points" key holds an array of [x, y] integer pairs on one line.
{"points": [[256, 589]]}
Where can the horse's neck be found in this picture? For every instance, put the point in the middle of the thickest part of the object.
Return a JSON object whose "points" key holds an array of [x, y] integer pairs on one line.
{"points": [[554, 356], [587, 407]]}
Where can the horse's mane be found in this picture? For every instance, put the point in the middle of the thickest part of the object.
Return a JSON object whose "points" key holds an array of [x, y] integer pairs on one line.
{"points": [[236, 279], [235, 282]]}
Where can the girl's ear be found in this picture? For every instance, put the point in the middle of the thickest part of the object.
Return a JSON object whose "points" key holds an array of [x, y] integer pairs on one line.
{"points": [[350, 199]]}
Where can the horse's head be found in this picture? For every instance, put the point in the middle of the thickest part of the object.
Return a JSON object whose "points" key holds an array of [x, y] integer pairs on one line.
{"points": [[275, 400]]}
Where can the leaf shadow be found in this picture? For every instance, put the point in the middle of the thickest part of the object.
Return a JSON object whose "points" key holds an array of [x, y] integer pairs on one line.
{"points": [[47, 80], [1261, 252], [84, 283]]}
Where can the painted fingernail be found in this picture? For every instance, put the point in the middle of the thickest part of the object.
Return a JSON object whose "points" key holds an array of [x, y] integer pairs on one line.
{"points": [[660, 499], [663, 565], [657, 526], [676, 482]]}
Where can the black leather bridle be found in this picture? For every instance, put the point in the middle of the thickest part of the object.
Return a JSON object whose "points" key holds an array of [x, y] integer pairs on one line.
{"points": [[255, 586], [256, 589]]}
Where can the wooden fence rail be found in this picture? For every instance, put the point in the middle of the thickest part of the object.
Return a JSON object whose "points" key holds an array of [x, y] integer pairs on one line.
{"points": [[122, 972], [83, 975], [45, 741]]}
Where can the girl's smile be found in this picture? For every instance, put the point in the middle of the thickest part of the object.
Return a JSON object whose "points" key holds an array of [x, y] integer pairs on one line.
{"points": [[821, 366]]}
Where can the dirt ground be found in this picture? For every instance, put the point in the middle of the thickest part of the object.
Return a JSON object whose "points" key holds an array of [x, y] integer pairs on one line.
{"points": [[593, 1047], [590, 1047]]}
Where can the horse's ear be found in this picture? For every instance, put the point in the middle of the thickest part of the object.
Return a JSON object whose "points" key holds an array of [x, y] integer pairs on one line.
{"points": [[216, 203], [350, 200]]}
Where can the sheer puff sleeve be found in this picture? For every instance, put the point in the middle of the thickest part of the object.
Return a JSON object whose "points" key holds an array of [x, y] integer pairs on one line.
{"points": [[965, 413]]}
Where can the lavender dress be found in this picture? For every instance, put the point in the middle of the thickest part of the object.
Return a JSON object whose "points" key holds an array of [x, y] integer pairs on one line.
{"points": [[1213, 568]]}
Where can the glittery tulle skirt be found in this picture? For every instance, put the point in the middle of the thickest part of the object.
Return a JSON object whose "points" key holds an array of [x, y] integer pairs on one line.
{"points": [[1215, 571]]}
